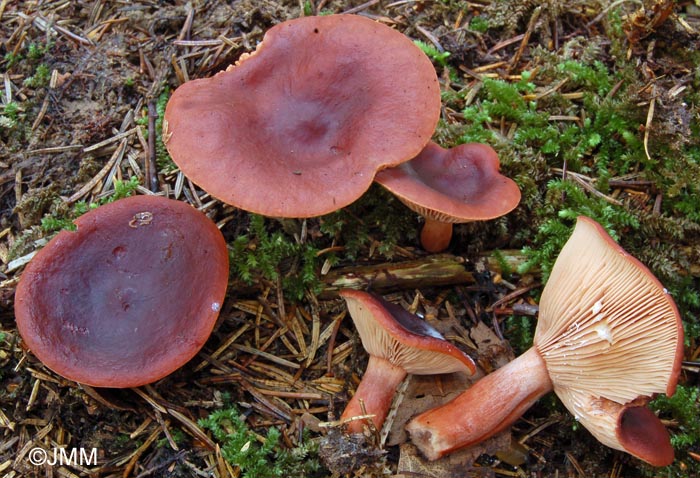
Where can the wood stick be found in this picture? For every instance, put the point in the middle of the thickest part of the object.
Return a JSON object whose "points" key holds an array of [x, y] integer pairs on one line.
{"points": [[434, 270]]}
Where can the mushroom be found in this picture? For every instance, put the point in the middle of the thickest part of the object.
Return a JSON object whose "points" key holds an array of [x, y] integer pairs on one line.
{"points": [[448, 186], [398, 343], [128, 297], [609, 337], [299, 127]]}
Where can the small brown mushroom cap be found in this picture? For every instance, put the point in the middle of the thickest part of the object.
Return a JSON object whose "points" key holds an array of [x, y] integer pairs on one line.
{"points": [[128, 297], [300, 127], [390, 332], [460, 184]]}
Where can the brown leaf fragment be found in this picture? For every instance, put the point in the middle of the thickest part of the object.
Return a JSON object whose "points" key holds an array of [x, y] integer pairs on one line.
{"points": [[458, 463], [423, 393], [344, 453], [492, 351]]}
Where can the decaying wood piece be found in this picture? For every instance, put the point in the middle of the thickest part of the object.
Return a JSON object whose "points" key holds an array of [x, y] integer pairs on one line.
{"points": [[430, 271]]}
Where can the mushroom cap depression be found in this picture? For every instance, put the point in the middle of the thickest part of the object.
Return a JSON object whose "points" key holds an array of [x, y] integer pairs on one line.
{"points": [[459, 184], [128, 297], [389, 331], [300, 127], [609, 333]]}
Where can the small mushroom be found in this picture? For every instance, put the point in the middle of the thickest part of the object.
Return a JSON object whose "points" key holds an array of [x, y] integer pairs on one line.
{"points": [[299, 127], [398, 343], [128, 297], [609, 338], [448, 186]]}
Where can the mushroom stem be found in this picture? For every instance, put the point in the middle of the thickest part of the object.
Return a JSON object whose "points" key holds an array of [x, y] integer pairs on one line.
{"points": [[435, 235], [376, 391], [488, 407]]}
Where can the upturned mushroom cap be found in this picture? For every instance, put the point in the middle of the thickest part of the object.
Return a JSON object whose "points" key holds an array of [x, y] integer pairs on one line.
{"points": [[609, 337], [128, 297], [300, 127], [608, 331], [607, 327], [390, 332], [447, 186]]}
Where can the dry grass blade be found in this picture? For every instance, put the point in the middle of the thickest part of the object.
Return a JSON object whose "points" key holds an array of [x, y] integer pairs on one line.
{"points": [[87, 187], [192, 428]]}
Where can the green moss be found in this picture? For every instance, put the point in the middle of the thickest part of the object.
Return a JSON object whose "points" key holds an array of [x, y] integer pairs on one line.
{"points": [[439, 57], [59, 218], [40, 78], [505, 266], [308, 9], [37, 51], [520, 330], [177, 435], [684, 405], [275, 255], [684, 408], [377, 221], [479, 24], [11, 110], [564, 202], [163, 159], [258, 457]]}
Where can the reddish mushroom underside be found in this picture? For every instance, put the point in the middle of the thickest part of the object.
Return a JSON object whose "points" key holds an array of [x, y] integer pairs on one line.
{"points": [[300, 127], [128, 297]]}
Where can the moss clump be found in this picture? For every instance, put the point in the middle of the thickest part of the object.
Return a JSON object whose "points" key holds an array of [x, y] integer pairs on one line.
{"points": [[260, 457], [377, 221], [163, 159], [438, 56], [62, 218], [274, 255], [16, 116]]}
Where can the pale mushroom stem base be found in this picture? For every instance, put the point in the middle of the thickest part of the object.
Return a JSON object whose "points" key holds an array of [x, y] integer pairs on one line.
{"points": [[488, 407], [376, 391], [435, 235]]}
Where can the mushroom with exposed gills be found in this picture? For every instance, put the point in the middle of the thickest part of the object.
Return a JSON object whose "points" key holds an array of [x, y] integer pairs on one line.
{"points": [[399, 343], [609, 338], [128, 297], [299, 127], [448, 186]]}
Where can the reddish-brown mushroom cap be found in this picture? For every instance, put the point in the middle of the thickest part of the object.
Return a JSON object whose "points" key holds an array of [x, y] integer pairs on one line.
{"points": [[447, 186], [128, 297], [398, 343], [608, 338], [300, 127]]}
